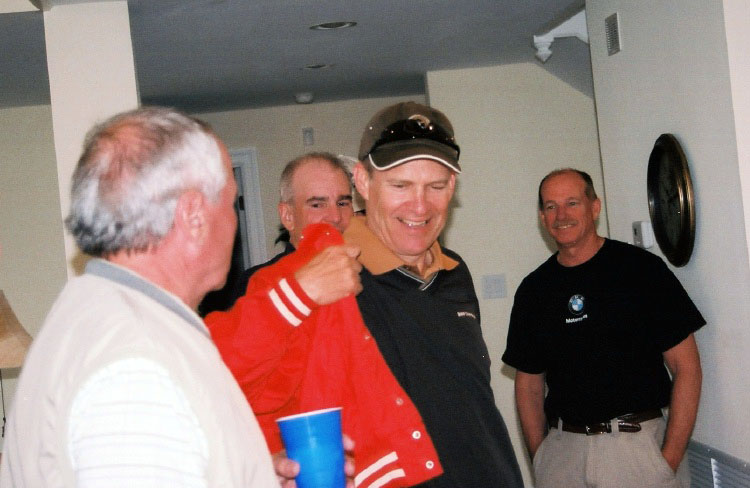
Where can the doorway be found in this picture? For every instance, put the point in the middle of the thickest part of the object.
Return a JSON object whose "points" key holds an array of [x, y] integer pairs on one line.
{"points": [[250, 239]]}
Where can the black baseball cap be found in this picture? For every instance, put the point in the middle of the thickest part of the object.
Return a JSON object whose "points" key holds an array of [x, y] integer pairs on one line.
{"points": [[408, 131]]}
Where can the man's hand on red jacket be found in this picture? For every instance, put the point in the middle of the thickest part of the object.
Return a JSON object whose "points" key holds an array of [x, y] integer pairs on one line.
{"points": [[331, 275]]}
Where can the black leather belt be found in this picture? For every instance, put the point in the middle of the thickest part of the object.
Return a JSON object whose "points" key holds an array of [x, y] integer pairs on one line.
{"points": [[630, 422]]}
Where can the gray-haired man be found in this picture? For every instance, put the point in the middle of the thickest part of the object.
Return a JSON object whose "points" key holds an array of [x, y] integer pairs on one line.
{"points": [[123, 386]]}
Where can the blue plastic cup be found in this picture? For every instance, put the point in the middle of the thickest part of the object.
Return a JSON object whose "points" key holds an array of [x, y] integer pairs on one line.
{"points": [[313, 439]]}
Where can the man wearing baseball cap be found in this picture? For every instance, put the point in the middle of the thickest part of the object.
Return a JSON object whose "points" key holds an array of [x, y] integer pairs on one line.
{"points": [[418, 299]]}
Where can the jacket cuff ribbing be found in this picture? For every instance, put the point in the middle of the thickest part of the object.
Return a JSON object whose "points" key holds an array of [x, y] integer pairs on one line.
{"points": [[291, 301]]}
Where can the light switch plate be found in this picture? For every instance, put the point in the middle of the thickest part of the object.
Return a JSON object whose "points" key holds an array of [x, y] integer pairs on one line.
{"points": [[493, 286], [643, 234]]}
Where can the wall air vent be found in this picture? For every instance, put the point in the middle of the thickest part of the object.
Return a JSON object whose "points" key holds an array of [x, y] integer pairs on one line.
{"points": [[711, 468], [612, 28]]}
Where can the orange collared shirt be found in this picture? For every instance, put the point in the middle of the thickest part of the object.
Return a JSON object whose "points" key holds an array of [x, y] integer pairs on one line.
{"points": [[378, 259]]}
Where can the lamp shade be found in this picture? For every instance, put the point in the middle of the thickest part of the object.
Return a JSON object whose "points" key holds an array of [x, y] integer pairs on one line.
{"points": [[14, 340]]}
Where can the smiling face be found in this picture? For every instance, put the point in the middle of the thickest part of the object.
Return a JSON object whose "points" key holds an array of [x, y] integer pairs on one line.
{"points": [[567, 213], [320, 193], [407, 206]]}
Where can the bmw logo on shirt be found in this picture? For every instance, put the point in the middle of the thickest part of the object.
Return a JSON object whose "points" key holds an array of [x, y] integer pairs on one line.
{"points": [[576, 305]]}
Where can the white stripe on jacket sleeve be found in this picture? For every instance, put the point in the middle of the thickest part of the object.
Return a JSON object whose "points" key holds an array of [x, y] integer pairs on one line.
{"points": [[283, 310], [293, 298], [376, 468]]}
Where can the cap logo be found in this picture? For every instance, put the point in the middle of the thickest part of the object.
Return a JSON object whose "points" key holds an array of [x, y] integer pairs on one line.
{"points": [[423, 121]]}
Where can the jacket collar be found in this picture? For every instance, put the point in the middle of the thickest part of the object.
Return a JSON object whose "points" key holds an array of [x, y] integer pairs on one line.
{"points": [[378, 259], [123, 276]]}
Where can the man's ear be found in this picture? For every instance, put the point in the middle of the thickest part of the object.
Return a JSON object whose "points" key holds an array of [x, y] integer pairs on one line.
{"points": [[190, 215], [286, 215], [596, 208], [361, 180]]}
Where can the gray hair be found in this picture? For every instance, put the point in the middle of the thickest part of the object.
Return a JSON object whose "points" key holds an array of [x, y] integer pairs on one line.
{"points": [[285, 185], [588, 190], [134, 168]]}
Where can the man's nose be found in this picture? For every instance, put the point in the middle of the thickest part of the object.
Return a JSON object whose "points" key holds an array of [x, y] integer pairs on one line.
{"points": [[419, 200], [333, 215]]}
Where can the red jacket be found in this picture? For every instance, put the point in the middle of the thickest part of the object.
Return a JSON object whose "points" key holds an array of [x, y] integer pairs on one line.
{"points": [[290, 355]]}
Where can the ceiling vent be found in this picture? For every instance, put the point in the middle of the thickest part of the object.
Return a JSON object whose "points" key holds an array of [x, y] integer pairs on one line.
{"points": [[333, 25]]}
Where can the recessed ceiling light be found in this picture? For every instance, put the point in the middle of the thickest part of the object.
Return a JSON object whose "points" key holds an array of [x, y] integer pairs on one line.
{"points": [[318, 66], [333, 25], [303, 97]]}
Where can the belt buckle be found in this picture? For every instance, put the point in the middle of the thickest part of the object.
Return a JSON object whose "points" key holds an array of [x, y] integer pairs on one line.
{"points": [[603, 428], [590, 431]]}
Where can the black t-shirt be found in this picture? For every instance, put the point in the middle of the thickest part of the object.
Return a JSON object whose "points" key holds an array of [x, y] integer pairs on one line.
{"points": [[598, 331]]}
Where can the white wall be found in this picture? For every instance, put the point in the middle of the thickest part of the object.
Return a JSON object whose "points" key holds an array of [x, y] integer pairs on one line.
{"points": [[672, 75], [737, 23], [514, 124], [32, 264], [276, 133]]}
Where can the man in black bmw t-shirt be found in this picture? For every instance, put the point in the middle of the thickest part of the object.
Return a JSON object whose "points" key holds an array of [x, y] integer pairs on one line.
{"points": [[597, 322]]}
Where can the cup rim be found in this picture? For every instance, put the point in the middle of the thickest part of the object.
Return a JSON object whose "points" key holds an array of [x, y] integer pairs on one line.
{"points": [[307, 414]]}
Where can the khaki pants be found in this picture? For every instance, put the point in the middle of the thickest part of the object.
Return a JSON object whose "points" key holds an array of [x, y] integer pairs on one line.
{"points": [[616, 460]]}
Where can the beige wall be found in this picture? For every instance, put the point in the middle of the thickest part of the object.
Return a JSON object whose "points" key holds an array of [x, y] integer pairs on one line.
{"points": [[673, 76], [32, 264], [276, 134], [514, 124]]}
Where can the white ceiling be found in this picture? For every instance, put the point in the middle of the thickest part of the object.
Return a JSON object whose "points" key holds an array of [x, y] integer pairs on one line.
{"points": [[207, 55]]}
